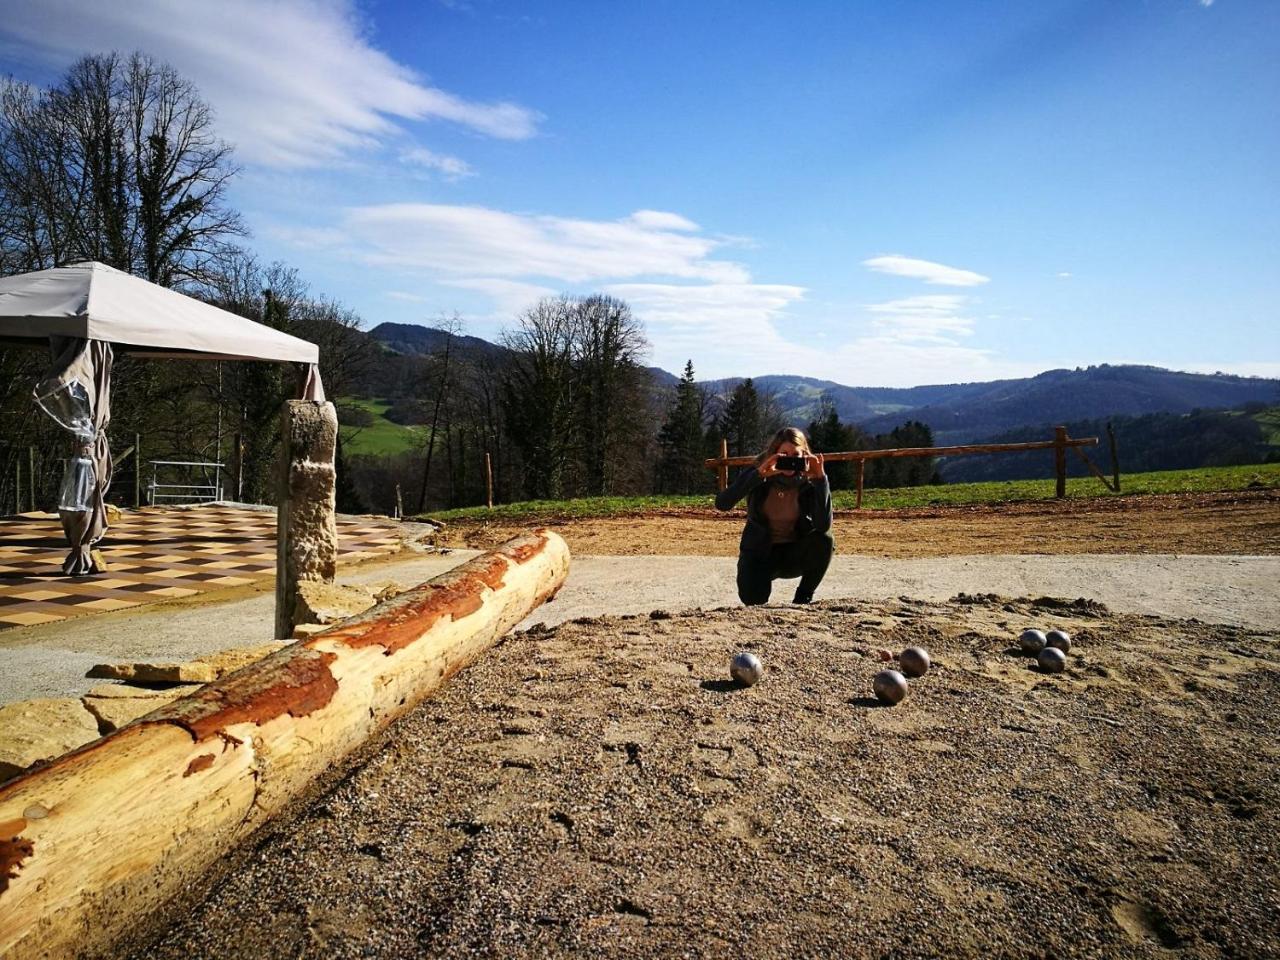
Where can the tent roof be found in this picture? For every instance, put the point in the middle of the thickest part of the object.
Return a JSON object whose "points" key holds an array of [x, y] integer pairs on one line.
{"points": [[97, 302]]}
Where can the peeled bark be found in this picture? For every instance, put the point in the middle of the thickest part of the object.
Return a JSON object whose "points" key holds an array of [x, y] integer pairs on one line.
{"points": [[103, 838]]}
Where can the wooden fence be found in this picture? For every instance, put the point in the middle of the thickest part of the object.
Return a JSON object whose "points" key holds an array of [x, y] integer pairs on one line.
{"points": [[1060, 444]]}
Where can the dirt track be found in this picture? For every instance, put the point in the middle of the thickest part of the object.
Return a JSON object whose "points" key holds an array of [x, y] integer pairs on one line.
{"points": [[601, 789], [1244, 522]]}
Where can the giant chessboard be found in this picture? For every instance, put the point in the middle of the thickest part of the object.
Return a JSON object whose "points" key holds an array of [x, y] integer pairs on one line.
{"points": [[154, 554]]}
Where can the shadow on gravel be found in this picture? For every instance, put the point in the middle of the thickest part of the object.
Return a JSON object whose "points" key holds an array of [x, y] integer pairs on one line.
{"points": [[721, 686], [869, 703]]}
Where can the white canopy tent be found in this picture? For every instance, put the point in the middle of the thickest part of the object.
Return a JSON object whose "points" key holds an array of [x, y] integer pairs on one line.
{"points": [[85, 310]]}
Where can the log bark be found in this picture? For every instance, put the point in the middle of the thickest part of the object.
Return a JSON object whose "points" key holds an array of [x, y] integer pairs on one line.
{"points": [[103, 838]]}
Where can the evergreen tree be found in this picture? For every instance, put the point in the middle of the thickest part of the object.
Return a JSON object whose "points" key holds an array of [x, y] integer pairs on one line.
{"points": [[828, 435], [741, 423], [681, 438]]}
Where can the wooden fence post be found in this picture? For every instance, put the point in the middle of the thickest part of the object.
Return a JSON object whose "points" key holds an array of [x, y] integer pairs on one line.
{"points": [[862, 469], [1115, 459], [488, 477], [306, 518], [399, 507], [31, 478], [722, 473], [1060, 460], [17, 484]]}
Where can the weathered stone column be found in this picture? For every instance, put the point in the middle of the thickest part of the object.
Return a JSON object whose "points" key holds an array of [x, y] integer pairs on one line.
{"points": [[306, 527]]}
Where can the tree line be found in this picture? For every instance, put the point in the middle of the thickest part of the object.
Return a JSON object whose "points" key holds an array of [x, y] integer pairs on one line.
{"points": [[119, 161]]}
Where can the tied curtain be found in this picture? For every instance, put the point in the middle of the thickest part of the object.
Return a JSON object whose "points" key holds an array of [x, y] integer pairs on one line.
{"points": [[77, 394]]}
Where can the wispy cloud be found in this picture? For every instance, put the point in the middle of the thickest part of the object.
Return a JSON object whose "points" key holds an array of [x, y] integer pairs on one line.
{"points": [[451, 168], [925, 319], [295, 83], [509, 297], [1065, 274], [483, 242], [938, 274]]}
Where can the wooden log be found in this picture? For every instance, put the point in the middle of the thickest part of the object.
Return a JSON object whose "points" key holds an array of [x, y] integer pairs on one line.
{"points": [[102, 840], [972, 448], [862, 470], [488, 479], [1060, 461], [722, 474]]}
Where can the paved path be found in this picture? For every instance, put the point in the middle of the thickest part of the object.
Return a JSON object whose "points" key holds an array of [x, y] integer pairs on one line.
{"points": [[51, 659]]}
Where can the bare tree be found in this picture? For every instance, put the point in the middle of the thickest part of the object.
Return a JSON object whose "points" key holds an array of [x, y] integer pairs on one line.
{"points": [[608, 343], [117, 163], [539, 393]]}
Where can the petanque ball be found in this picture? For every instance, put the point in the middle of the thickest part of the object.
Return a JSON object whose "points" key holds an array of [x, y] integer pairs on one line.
{"points": [[746, 669], [1051, 660], [914, 661], [1059, 639], [890, 686], [1032, 641]]}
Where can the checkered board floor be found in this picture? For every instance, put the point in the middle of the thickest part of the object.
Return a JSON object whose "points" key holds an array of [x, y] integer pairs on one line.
{"points": [[153, 554]]}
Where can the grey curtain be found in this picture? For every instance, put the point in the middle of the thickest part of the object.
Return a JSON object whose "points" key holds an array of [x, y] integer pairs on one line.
{"points": [[77, 394]]}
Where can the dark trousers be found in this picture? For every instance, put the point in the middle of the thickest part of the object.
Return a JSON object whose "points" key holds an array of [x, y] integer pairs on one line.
{"points": [[806, 558]]}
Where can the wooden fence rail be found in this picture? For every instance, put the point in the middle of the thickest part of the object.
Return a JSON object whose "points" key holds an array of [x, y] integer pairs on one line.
{"points": [[1059, 445]]}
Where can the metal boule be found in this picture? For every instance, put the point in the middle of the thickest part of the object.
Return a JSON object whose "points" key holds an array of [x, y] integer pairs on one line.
{"points": [[914, 661], [1051, 660], [1032, 641], [746, 669], [890, 686], [1059, 639]]}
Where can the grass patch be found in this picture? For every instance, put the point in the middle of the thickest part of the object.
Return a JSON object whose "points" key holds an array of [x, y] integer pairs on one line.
{"points": [[380, 438], [1206, 480], [1269, 420]]}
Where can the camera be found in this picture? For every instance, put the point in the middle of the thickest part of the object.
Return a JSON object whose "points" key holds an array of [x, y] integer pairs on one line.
{"points": [[795, 464]]}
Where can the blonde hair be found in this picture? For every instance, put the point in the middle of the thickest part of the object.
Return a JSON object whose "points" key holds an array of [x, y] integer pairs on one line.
{"points": [[786, 435]]}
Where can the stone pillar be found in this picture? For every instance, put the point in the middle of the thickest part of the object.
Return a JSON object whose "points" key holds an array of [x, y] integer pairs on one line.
{"points": [[306, 525]]}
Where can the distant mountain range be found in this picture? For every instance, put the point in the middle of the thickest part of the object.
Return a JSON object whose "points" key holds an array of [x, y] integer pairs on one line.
{"points": [[958, 412]]}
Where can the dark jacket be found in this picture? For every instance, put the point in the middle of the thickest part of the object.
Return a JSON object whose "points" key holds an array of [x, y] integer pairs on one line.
{"points": [[815, 508]]}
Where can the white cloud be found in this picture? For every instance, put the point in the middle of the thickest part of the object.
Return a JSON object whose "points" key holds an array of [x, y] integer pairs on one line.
{"points": [[479, 241], [937, 274], [405, 297], [1065, 275], [452, 168], [662, 220], [295, 83], [924, 319]]}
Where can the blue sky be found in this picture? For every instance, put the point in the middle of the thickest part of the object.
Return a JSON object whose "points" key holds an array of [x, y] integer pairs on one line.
{"points": [[885, 193]]}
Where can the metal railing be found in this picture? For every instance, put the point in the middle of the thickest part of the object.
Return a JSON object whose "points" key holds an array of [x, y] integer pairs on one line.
{"points": [[205, 492]]}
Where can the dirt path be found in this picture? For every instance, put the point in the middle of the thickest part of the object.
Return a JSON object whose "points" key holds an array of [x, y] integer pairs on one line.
{"points": [[51, 660], [603, 790], [1246, 522]]}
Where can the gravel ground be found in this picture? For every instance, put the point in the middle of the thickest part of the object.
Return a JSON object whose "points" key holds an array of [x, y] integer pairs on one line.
{"points": [[601, 789]]}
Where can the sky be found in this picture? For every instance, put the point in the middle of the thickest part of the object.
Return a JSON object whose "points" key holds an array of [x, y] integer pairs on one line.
{"points": [[875, 193]]}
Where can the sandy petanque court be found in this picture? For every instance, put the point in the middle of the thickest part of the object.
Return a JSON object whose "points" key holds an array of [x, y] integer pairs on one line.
{"points": [[601, 789]]}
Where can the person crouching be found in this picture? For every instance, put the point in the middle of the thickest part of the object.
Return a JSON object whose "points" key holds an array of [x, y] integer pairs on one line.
{"points": [[788, 531]]}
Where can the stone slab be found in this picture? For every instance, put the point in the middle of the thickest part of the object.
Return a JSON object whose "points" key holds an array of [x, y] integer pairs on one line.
{"points": [[36, 730]]}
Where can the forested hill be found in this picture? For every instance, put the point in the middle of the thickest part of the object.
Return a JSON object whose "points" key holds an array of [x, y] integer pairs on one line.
{"points": [[959, 412], [1062, 396]]}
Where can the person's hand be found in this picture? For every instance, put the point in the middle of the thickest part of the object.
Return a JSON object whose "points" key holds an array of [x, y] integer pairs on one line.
{"points": [[769, 467], [813, 468]]}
